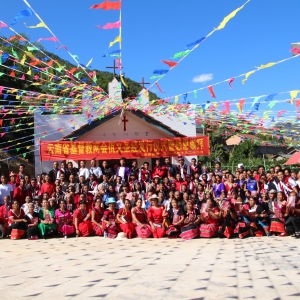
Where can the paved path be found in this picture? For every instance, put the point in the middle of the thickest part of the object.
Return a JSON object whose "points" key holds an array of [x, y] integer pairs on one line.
{"points": [[94, 267]]}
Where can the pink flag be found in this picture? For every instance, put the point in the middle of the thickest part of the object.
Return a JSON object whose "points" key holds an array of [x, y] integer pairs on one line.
{"points": [[295, 50], [53, 39], [230, 82], [110, 25], [23, 77], [159, 88], [119, 64], [2, 24]]}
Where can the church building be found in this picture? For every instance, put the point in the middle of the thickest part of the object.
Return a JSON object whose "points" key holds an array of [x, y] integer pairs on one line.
{"points": [[122, 125]]}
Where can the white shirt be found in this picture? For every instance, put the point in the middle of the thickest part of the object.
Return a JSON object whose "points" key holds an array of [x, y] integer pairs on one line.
{"points": [[120, 204], [25, 208], [84, 172], [122, 173], [5, 190], [167, 203], [96, 171]]}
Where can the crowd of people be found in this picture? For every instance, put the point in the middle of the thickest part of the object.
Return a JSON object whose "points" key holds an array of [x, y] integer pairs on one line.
{"points": [[178, 201]]}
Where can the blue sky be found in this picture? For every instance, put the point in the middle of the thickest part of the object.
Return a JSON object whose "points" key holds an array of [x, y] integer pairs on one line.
{"points": [[154, 30]]}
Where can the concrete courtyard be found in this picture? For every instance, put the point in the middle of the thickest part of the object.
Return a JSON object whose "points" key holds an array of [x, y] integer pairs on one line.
{"points": [[94, 267]]}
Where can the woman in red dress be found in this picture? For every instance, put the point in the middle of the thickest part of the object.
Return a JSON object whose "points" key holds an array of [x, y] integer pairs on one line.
{"points": [[124, 217], [82, 223], [155, 218], [97, 213], [17, 224], [210, 220], [278, 213], [139, 217], [230, 187], [111, 229]]}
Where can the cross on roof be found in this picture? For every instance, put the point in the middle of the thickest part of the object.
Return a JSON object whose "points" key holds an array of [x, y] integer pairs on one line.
{"points": [[143, 82], [114, 67]]}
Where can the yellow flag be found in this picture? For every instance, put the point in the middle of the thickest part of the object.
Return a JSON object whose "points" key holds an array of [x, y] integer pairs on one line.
{"points": [[29, 72], [116, 40], [230, 16], [23, 59], [124, 83], [176, 99], [294, 94], [247, 75], [29, 54], [37, 26], [90, 61], [271, 64], [239, 107]]}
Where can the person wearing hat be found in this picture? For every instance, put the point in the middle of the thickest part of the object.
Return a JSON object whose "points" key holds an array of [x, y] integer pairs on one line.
{"points": [[111, 229], [240, 167], [12, 182], [155, 218]]}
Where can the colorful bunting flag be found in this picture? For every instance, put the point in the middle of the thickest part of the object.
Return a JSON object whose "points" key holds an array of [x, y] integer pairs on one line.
{"points": [[230, 16], [159, 88], [22, 14], [171, 64], [118, 39], [210, 88], [39, 25], [107, 5], [111, 25]]}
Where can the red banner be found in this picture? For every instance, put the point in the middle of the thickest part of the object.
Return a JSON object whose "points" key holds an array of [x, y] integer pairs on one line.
{"points": [[61, 150]]}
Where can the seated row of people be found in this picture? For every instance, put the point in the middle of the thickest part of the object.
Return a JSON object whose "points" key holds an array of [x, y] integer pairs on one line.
{"points": [[189, 218]]}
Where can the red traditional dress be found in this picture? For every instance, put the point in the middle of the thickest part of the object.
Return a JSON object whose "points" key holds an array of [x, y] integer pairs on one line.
{"points": [[112, 229], [190, 230], [4, 217], [277, 220], [85, 227], [128, 228], [210, 227], [145, 230], [47, 188], [99, 211], [230, 188], [16, 229], [155, 216]]}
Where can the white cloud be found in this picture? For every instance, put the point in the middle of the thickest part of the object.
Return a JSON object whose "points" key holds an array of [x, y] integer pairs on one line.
{"points": [[203, 78]]}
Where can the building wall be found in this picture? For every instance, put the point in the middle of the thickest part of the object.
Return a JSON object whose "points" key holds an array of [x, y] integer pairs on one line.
{"points": [[113, 130], [234, 140]]}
